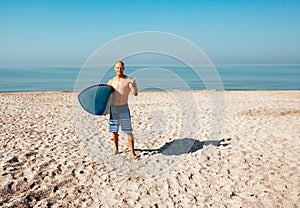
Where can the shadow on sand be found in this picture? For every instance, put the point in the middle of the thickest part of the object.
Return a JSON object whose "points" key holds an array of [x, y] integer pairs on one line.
{"points": [[185, 145]]}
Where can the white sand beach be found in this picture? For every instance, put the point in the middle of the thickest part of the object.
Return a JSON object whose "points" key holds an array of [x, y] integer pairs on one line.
{"points": [[239, 150]]}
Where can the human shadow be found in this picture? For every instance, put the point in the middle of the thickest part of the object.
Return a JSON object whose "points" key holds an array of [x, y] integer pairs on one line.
{"points": [[185, 145]]}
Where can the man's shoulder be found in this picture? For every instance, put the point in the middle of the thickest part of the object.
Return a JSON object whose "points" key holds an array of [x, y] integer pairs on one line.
{"points": [[110, 81], [128, 78]]}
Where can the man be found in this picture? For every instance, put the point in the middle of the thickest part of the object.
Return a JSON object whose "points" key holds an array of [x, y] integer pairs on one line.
{"points": [[119, 111]]}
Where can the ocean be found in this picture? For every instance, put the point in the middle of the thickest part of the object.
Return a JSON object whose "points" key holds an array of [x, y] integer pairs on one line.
{"points": [[234, 77]]}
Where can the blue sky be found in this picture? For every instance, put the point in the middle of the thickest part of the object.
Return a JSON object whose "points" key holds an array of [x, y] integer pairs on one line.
{"points": [[61, 32]]}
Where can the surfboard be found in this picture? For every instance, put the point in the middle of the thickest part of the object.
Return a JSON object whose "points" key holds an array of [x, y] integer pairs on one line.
{"points": [[96, 99]]}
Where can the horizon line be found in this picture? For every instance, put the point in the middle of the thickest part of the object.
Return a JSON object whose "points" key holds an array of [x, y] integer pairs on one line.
{"points": [[146, 65]]}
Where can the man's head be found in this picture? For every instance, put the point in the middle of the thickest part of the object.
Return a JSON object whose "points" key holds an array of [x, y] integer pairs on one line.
{"points": [[119, 68]]}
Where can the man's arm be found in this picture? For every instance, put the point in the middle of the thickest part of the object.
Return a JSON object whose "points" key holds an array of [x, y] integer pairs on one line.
{"points": [[133, 87], [109, 82]]}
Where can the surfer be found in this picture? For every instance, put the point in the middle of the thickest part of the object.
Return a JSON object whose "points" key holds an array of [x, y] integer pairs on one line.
{"points": [[119, 111]]}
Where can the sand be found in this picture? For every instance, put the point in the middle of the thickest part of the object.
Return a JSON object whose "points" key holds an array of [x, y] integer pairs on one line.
{"points": [[196, 149]]}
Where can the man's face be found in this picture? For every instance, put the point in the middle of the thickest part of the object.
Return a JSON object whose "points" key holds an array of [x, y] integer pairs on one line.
{"points": [[119, 68]]}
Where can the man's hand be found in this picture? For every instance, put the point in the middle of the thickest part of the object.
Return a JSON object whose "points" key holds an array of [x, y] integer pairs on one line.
{"points": [[134, 87], [133, 82]]}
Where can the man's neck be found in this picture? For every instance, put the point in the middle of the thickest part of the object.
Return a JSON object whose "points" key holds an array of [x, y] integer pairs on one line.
{"points": [[120, 76]]}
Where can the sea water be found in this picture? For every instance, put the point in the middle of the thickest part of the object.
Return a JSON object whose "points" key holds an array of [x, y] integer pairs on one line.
{"points": [[234, 77]]}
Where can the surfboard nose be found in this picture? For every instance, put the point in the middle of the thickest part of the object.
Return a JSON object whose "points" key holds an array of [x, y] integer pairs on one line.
{"points": [[94, 99]]}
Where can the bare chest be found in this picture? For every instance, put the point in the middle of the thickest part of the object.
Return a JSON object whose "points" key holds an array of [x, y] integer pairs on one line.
{"points": [[120, 84]]}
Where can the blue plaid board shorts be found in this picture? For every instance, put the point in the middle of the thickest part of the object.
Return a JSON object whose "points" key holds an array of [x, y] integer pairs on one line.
{"points": [[120, 115]]}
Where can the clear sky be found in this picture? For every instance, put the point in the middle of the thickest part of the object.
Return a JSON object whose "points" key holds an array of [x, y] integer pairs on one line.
{"points": [[61, 32]]}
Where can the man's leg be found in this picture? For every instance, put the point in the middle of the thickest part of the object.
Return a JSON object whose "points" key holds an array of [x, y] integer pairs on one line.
{"points": [[131, 144], [116, 141]]}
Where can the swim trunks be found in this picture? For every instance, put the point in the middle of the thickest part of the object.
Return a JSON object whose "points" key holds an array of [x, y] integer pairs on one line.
{"points": [[120, 115]]}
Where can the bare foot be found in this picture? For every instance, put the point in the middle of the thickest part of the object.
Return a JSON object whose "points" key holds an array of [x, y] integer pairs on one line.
{"points": [[133, 155], [116, 152]]}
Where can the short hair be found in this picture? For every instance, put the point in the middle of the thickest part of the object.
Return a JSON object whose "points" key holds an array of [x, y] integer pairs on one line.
{"points": [[120, 62]]}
